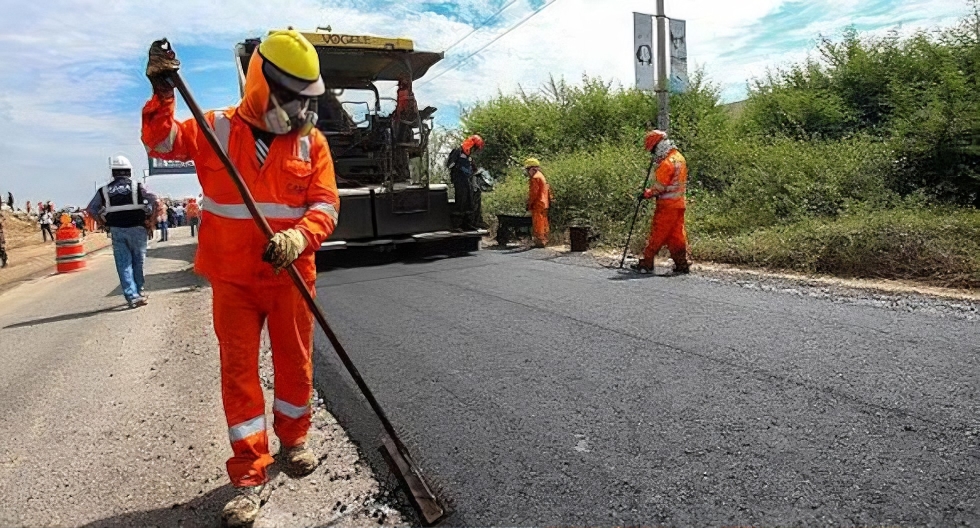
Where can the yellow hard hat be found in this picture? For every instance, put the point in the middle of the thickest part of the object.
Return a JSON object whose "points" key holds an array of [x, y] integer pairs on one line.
{"points": [[292, 62], [531, 162]]}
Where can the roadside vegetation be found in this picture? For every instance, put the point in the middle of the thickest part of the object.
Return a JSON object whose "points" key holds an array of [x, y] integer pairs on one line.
{"points": [[863, 161]]}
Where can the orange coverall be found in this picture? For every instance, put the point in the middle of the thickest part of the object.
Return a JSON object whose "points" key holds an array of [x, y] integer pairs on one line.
{"points": [[538, 202], [296, 188], [193, 210], [667, 227]]}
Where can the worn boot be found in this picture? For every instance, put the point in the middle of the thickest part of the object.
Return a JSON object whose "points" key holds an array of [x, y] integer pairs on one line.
{"points": [[681, 265], [300, 460], [242, 510], [643, 266]]}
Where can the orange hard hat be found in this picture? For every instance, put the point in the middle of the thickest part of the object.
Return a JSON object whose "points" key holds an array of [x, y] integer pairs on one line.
{"points": [[472, 142], [654, 137]]}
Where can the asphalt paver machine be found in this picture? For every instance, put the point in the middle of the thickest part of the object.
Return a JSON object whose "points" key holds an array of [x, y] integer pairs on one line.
{"points": [[379, 140]]}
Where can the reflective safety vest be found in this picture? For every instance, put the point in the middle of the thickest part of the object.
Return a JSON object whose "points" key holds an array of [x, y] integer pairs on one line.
{"points": [[539, 193], [122, 204], [294, 187], [671, 180]]}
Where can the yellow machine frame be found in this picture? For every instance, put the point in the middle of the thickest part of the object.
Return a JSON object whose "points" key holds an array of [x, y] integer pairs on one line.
{"points": [[335, 40]]}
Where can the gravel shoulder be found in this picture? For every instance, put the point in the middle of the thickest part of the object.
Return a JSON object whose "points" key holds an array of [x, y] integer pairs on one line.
{"points": [[899, 295], [112, 417]]}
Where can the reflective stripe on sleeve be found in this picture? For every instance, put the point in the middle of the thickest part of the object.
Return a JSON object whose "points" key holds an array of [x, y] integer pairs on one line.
{"points": [[326, 208], [287, 409], [167, 145], [246, 429]]}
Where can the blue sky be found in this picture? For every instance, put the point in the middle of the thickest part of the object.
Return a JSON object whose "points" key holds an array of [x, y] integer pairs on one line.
{"points": [[72, 87]]}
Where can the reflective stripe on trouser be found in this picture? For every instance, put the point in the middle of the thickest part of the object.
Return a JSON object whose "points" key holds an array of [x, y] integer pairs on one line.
{"points": [[239, 314], [539, 226], [667, 229]]}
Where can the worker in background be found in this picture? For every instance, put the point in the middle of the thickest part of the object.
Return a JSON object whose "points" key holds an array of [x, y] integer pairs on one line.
{"points": [[123, 206], [193, 215], [46, 218], [10, 201], [462, 171], [538, 202], [3, 246], [669, 188], [406, 112], [160, 213], [286, 163]]}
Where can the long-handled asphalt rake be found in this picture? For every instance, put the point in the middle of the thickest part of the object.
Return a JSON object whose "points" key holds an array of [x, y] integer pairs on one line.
{"points": [[639, 204], [402, 465]]}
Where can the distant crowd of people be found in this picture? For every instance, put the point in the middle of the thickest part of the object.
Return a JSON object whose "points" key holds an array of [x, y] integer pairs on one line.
{"points": [[169, 214]]}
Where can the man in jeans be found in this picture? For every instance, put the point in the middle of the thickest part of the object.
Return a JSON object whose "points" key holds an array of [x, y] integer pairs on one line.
{"points": [[3, 247], [123, 206]]}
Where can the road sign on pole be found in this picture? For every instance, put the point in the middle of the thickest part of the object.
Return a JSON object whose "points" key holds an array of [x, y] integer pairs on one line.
{"points": [[679, 81], [643, 52], [663, 96]]}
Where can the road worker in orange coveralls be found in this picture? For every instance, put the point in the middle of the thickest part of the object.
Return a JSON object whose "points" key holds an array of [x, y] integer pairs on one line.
{"points": [[286, 164], [669, 188], [538, 202]]}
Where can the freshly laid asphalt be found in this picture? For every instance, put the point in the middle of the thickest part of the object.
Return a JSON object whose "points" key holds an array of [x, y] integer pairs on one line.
{"points": [[534, 390]]}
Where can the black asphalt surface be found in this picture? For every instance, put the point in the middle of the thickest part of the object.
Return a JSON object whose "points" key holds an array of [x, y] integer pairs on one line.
{"points": [[542, 391]]}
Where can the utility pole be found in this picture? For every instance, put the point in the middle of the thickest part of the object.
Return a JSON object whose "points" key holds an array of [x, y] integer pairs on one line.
{"points": [[663, 115]]}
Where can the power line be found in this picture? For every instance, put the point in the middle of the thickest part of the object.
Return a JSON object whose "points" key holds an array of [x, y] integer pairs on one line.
{"points": [[481, 25], [488, 44]]}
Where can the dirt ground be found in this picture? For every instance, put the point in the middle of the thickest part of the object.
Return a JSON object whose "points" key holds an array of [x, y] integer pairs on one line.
{"points": [[113, 417], [31, 257]]}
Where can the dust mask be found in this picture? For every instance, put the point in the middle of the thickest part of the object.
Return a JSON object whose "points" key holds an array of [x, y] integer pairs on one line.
{"points": [[294, 115]]}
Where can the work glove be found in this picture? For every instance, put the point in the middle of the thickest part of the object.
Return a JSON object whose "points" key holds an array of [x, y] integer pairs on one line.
{"points": [[284, 248], [647, 194], [160, 66]]}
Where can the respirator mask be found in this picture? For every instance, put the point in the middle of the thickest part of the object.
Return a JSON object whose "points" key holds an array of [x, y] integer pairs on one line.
{"points": [[294, 114]]}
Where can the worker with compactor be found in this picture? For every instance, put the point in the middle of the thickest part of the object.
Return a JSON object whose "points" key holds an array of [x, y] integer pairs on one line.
{"points": [[669, 189]]}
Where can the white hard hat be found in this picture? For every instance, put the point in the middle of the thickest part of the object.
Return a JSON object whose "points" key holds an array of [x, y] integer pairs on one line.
{"points": [[120, 162]]}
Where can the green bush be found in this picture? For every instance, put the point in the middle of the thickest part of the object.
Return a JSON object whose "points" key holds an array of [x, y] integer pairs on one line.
{"points": [[921, 93], [788, 181], [937, 245], [851, 164], [596, 187]]}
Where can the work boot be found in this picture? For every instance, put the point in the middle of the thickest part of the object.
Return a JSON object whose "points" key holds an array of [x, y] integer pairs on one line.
{"points": [[681, 265], [243, 509], [300, 460], [643, 266]]}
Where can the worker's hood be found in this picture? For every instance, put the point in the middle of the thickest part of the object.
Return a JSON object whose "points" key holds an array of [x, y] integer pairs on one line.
{"points": [[255, 102], [263, 109]]}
